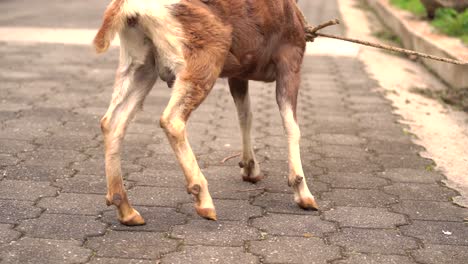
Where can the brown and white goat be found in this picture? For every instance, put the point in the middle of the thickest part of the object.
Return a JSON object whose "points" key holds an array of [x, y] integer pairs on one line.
{"points": [[190, 44]]}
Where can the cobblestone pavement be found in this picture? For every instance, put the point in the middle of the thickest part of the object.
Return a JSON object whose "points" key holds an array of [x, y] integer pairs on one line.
{"points": [[380, 201]]}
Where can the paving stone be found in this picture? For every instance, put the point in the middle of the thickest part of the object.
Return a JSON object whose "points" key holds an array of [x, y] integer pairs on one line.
{"points": [[279, 183], [72, 203], [353, 180], [388, 147], [7, 234], [119, 261], [158, 196], [22, 133], [210, 233], [8, 160], [375, 259], [51, 157], [386, 135], [230, 210], [294, 250], [447, 233], [436, 254], [339, 139], [62, 227], [403, 161], [359, 198], [234, 189], [365, 217], [9, 146], [347, 165], [93, 167], [36, 173], [14, 211], [411, 175], [159, 178], [284, 203], [278, 155], [46, 251], [205, 255], [25, 190], [91, 184], [293, 225], [158, 219], [384, 241], [139, 245], [416, 191], [431, 210], [341, 151], [67, 142]]}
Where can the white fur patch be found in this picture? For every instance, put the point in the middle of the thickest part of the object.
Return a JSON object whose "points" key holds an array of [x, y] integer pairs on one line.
{"points": [[161, 27]]}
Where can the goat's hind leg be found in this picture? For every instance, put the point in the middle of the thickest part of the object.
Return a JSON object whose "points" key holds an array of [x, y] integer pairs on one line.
{"points": [[287, 88], [250, 170], [135, 78], [187, 95]]}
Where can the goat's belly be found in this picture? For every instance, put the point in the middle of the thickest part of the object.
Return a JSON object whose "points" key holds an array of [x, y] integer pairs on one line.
{"points": [[248, 68]]}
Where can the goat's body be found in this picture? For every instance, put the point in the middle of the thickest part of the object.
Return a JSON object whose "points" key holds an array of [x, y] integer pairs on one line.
{"points": [[189, 44]]}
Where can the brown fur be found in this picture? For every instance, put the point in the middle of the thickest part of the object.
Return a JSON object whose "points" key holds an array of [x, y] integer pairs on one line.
{"points": [[108, 28]]}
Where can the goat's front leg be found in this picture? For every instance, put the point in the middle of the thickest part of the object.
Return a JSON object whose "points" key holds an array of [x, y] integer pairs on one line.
{"points": [[187, 95], [287, 88], [135, 78], [250, 170]]}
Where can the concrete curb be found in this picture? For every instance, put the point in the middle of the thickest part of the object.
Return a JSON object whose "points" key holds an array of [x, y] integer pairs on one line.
{"points": [[418, 36]]}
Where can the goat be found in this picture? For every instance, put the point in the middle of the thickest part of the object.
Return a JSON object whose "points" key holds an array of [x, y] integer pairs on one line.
{"points": [[190, 44]]}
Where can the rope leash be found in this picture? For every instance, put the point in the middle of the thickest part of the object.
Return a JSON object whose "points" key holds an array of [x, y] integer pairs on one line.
{"points": [[312, 33]]}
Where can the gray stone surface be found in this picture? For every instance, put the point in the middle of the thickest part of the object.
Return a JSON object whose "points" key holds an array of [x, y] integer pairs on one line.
{"points": [[361, 198], [62, 227], [25, 190], [379, 201], [14, 211], [414, 191], [353, 180], [220, 233], [375, 259], [210, 255], [294, 250], [43, 251], [365, 217], [233, 210], [411, 175], [293, 225], [7, 234], [73, 203], [383, 241], [139, 245], [434, 254], [430, 210], [446, 233]]}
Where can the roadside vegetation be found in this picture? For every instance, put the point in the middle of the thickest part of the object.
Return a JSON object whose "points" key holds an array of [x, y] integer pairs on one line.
{"points": [[446, 20]]}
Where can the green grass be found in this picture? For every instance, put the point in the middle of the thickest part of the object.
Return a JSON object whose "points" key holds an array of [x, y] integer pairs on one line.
{"points": [[452, 23], [414, 6]]}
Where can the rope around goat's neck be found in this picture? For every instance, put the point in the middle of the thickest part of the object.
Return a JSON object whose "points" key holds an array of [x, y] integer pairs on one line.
{"points": [[312, 33]]}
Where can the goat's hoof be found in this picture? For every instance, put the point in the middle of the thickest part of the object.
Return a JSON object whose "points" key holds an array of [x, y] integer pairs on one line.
{"points": [[253, 179], [134, 219], [308, 203], [250, 171], [207, 213]]}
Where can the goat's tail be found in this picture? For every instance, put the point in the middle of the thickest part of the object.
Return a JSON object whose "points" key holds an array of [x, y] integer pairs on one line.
{"points": [[112, 23]]}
